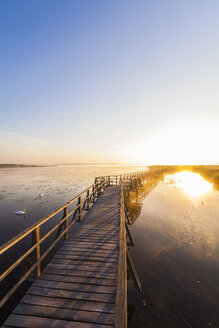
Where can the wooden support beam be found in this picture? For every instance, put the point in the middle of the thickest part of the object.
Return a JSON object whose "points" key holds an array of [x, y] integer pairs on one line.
{"points": [[129, 234], [133, 270]]}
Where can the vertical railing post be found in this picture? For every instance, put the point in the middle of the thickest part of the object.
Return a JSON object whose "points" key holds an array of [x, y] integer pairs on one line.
{"points": [[100, 187], [79, 202], [66, 221], [116, 179], [37, 238], [92, 195], [88, 199]]}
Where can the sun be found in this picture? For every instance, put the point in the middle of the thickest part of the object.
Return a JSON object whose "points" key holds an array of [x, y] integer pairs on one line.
{"points": [[192, 184]]}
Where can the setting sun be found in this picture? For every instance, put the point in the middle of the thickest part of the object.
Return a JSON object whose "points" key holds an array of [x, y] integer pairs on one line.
{"points": [[192, 184]]}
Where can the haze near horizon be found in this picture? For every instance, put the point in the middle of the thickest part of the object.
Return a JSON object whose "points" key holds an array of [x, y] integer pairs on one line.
{"points": [[109, 81]]}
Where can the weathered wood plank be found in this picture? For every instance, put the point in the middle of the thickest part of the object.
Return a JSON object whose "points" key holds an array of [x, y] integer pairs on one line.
{"points": [[75, 287], [22, 321], [79, 279], [110, 240], [89, 263], [83, 267], [85, 273], [89, 248], [88, 254], [92, 244], [64, 314], [86, 250], [50, 292], [69, 304], [85, 258]]}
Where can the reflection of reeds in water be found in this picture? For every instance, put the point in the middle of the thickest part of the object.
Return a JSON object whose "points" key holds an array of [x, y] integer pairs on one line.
{"points": [[135, 198], [208, 172]]}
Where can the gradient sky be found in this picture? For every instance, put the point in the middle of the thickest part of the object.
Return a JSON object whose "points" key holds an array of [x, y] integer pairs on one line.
{"points": [[109, 81]]}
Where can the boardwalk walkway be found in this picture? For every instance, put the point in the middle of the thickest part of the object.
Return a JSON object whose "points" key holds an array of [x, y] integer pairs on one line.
{"points": [[77, 289]]}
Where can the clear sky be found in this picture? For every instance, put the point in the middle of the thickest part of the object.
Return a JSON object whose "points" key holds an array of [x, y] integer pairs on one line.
{"points": [[109, 81]]}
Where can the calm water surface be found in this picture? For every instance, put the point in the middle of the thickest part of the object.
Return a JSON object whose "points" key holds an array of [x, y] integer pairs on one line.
{"points": [[176, 255]]}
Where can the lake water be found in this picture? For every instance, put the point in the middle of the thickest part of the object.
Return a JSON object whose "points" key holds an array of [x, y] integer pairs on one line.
{"points": [[176, 237], [176, 255]]}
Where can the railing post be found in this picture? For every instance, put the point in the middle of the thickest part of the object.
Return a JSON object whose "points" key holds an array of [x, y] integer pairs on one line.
{"points": [[92, 201], [37, 238], [88, 199], [116, 179], [79, 210], [66, 221]]}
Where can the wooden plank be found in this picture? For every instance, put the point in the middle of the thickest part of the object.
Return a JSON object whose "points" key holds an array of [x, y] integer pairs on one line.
{"points": [[96, 240], [83, 267], [50, 292], [84, 252], [90, 227], [89, 263], [69, 304], [96, 227], [91, 237], [90, 248], [92, 244], [92, 274], [75, 287], [22, 321], [79, 279], [87, 254], [64, 314], [103, 234], [85, 258], [86, 249]]}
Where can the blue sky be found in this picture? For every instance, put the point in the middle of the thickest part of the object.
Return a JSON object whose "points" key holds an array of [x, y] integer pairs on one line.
{"points": [[109, 81]]}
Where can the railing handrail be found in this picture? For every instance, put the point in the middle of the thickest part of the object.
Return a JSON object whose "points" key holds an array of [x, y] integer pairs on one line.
{"points": [[136, 173]]}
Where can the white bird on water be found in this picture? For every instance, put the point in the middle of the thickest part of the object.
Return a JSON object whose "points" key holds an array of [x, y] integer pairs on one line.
{"points": [[20, 212], [41, 195]]}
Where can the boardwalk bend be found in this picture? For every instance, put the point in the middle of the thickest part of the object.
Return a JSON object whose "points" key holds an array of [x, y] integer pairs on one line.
{"points": [[84, 285]]}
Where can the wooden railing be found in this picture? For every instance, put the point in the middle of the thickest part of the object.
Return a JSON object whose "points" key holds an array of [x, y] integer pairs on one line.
{"points": [[117, 179], [83, 201]]}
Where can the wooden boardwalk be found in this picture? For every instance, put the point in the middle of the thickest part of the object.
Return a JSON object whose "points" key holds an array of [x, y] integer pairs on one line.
{"points": [[78, 287]]}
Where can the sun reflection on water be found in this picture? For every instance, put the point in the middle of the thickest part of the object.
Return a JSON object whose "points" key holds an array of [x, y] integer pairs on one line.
{"points": [[190, 183]]}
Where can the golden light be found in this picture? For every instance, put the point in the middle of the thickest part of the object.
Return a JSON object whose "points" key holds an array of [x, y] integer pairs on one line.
{"points": [[186, 144], [192, 184]]}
